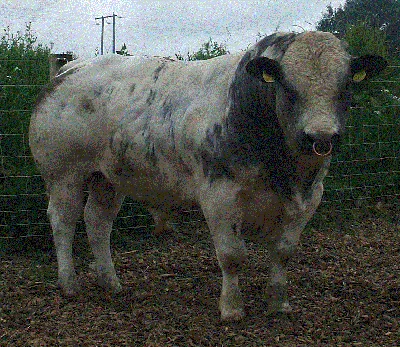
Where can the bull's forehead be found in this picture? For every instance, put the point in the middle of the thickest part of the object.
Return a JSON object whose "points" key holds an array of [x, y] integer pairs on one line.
{"points": [[316, 63]]}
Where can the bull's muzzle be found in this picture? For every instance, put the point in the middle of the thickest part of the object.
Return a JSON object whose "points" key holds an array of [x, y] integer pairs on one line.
{"points": [[322, 148]]}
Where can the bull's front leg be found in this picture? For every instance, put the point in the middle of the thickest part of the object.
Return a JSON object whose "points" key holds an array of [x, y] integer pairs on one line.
{"points": [[224, 219], [231, 253], [282, 244], [280, 251]]}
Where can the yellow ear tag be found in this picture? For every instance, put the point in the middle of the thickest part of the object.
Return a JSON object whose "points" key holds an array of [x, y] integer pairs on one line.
{"points": [[359, 76], [267, 78]]}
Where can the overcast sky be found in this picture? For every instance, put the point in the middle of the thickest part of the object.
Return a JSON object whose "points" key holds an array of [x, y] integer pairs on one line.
{"points": [[158, 27]]}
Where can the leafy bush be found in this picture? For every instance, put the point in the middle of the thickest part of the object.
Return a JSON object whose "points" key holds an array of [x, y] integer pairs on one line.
{"points": [[22, 62], [24, 69], [208, 50]]}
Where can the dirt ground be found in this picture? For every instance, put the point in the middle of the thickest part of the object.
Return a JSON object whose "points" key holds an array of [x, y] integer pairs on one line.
{"points": [[344, 288]]}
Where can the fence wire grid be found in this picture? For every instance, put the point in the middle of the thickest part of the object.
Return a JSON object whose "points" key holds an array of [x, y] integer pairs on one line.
{"points": [[366, 170]]}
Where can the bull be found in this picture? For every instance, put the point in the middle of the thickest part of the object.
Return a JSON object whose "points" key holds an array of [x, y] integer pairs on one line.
{"points": [[248, 137]]}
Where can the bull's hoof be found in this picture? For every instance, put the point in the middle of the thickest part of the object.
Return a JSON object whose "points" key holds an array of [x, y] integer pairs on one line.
{"points": [[234, 315], [231, 304], [70, 288], [286, 308], [279, 307], [232, 307], [277, 298], [110, 285], [108, 281]]}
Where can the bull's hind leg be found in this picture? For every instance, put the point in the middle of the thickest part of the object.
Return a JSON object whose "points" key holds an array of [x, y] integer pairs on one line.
{"points": [[224, 219], [102, 207], [65, 208], [161, 219]]}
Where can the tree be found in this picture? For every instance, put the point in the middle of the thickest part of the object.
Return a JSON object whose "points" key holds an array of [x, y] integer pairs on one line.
{"points": [[123, 50], [364, 39], [381, 14], [208, 50]]}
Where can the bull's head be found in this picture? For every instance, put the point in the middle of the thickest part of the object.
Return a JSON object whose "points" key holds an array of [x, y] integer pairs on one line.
{"points": [[312, 76]]}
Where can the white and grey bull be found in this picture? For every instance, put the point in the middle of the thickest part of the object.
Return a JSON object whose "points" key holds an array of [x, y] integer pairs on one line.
{"points": [[248, 137]]}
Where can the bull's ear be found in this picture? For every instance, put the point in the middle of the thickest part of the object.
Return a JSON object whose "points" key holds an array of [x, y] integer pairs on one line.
{"points": [[366, 66], [265, 69]]}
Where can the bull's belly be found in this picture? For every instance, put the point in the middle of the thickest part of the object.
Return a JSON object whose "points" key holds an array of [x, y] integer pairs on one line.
{"points": [[156, 184]]}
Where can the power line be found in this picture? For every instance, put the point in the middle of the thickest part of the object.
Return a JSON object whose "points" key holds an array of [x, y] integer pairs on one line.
{"points": [[113, 16]]}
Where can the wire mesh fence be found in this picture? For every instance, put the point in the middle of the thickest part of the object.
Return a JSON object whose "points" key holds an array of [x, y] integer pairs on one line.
{"points": [[366, 170]]}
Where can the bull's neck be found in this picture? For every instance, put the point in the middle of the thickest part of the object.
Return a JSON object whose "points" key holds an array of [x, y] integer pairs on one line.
{"points": [[252, 125]]}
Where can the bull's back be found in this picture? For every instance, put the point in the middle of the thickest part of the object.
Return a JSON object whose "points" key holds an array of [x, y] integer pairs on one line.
{"points": [[92, 101]]}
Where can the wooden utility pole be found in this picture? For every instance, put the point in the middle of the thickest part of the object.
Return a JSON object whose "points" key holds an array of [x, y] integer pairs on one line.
{"points": [[102, 35], [113, 47], [102, 32]]}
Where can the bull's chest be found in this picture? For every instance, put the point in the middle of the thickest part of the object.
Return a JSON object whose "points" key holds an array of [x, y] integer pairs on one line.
{"points": [[261, 209], [265, 210]]}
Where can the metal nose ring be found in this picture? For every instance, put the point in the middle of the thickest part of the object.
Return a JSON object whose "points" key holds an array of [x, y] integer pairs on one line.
{"points": [[320, 153]]}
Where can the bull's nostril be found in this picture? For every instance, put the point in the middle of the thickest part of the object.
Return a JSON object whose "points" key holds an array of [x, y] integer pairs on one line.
{"points": [[310, 140]]}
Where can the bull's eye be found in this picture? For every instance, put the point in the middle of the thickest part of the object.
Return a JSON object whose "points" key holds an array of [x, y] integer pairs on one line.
{"points": [[359, 76]]}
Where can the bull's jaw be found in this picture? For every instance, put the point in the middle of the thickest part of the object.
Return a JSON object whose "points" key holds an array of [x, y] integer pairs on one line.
{"points": [[309, 162], [310, 170]]}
